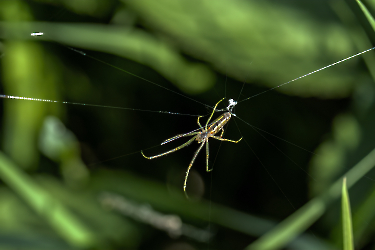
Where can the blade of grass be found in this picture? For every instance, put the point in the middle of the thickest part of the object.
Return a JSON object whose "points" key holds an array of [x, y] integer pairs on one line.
{"points": [[367, 14], [304, 217], [357, 32], [347, 230], [48, 207]]}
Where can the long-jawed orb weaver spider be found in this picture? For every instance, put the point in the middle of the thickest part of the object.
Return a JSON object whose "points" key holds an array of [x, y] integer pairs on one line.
{"points": [[202, 136]]}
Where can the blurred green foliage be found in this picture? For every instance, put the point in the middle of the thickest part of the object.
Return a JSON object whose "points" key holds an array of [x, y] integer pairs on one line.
{"points": [[72, 176]]}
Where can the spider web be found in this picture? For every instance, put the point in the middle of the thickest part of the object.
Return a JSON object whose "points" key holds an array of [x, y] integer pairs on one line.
{"points": [[264, 134]]}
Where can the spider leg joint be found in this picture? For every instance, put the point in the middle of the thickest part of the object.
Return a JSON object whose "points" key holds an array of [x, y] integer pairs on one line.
{"points": [[145, 156]]}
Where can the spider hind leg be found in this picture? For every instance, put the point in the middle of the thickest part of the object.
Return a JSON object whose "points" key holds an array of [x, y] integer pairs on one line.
{"points": [[191, 164]]}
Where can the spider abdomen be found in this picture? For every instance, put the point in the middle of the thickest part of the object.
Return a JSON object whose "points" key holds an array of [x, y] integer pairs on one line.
{"points": [[219, 123]]}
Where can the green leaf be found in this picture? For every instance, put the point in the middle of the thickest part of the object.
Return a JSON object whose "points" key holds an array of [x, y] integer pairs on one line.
{"points": [[347, 229], [232, 47]]}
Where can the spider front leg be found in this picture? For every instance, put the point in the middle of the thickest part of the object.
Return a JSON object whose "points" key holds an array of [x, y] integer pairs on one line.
{"points": [[200, 126], [213, 111]]}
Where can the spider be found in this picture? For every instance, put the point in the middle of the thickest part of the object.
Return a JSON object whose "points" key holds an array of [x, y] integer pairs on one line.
{"points": [[202, 136]]}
